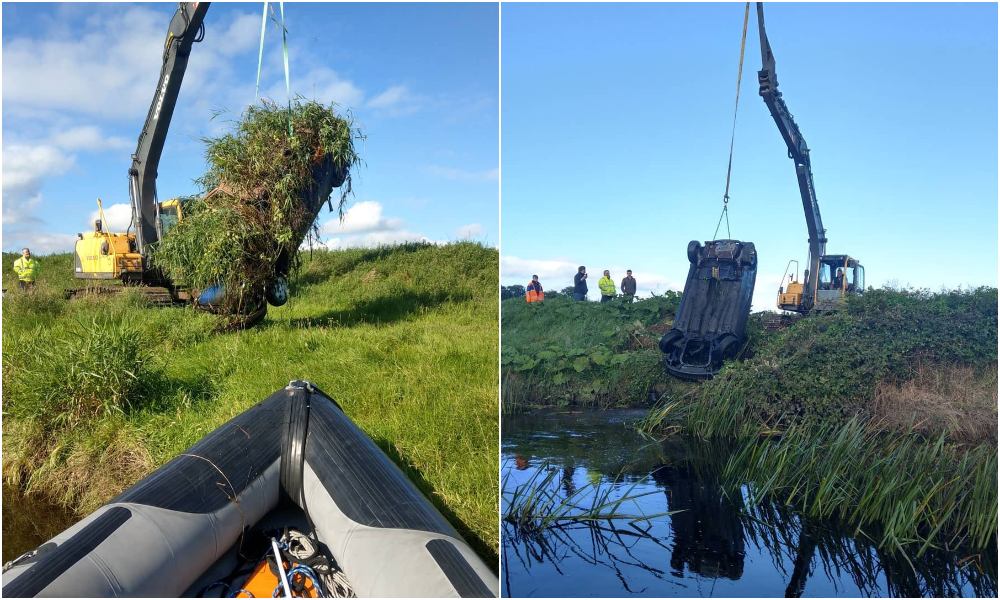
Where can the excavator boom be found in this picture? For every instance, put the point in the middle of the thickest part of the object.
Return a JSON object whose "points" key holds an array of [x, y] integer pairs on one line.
{"points": [[186, 28], [798, 151]]}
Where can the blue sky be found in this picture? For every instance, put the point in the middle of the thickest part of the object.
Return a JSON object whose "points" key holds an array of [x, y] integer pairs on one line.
{"points": [[616, 122], [420, 79]]}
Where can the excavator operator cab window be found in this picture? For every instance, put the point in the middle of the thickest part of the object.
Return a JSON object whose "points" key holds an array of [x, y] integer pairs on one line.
{"points": [[825, 276], [168, 218]]}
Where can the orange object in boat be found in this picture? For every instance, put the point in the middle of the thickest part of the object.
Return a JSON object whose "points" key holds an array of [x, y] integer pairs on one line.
{"points": [[263, 581]]}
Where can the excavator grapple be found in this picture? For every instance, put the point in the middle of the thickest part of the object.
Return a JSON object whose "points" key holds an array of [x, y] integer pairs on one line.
{"points": [[710, 325]]}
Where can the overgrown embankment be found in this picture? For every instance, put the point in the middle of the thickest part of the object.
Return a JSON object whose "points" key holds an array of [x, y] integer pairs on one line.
{"points": [[882, 415], [562, 352], [100, 390]]}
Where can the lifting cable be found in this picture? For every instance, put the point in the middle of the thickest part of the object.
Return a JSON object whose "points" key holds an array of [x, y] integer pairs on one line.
{"points": [[732, 139], [284, 50]]}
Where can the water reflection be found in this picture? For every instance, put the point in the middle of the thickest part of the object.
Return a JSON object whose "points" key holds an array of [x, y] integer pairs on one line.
{"points": [[712, 544]]}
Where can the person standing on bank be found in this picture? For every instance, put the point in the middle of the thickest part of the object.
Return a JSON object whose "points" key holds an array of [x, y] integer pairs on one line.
{"points": [[580, 284], [628, 286], [607, 287], [534, 293], [26, 269]]}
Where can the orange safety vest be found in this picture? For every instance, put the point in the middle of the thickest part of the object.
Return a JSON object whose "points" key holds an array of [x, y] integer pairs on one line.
{"points": [[534, 296]]}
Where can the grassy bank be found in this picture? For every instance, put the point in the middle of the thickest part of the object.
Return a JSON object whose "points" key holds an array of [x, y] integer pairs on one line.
{"points": [[99, 391], [562, 352], [882, 415]]}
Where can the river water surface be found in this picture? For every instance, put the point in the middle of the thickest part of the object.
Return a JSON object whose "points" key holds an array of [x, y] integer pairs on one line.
{"points": [[29, 521], [711, 545]]}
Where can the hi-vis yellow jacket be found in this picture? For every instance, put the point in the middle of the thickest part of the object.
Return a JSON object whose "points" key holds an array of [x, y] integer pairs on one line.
{"points": [[26, 268], [607, 286]]}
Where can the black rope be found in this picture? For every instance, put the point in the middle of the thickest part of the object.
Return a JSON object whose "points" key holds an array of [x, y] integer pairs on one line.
{"points": [[732, 138], [725, 213]]}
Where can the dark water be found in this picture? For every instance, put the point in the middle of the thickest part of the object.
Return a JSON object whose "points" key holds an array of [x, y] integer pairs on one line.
{"points": [[29, 521], [711, 546]]}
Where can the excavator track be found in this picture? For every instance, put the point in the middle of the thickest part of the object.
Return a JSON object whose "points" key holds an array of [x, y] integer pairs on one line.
{"points": [[155, 296], [778, 321]]}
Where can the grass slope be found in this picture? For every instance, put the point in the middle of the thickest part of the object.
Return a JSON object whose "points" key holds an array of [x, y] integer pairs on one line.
{"points": [[882, 414], [563, 352], [99, 391]]}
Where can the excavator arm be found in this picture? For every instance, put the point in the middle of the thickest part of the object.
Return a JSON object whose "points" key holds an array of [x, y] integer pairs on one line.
{"points": [[186, 28], [798, 151]]}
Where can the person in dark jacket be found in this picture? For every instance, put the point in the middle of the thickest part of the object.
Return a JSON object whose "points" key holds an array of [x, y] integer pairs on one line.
{"points": [[628, 287], [580, 284]]}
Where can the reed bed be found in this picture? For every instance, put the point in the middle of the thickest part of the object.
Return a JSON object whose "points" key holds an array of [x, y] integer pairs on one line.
{"points": [[542, 502], [900, 490], [807, 416]]}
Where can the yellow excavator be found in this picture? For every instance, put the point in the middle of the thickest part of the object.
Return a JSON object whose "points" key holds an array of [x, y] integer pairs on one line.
{"points": [[104, 255], [829, 278]]}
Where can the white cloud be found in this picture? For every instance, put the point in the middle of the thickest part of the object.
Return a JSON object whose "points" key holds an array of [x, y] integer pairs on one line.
{"points": [[242, 34], [40, 243], [24, 169], [396, 100], [455, 174], [466, 232], [363, 217], [118, 217], [110, 65], [364, 226], [514, 269], [391, 97], [87, 137], [321, 84], [375, 239]]}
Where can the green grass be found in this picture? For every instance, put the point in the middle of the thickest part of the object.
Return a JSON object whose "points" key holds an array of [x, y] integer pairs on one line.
{"points": [[405, 339], [541, 502], [805, 413], [563, 352]]}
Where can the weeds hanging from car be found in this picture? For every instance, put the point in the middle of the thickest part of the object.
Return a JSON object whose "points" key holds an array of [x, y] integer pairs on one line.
{"points": [[255, 210]]}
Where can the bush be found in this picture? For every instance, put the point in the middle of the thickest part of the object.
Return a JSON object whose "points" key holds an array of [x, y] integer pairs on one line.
{"points": [[74, 372], [826, 367], [563, 351]]}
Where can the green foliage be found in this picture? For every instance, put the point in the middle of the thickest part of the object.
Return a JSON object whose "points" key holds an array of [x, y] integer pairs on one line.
{"points": [[404, 337], [252, 217], [62, 376], [899, 488], [563, 351], [798, 412], [825, 367]]}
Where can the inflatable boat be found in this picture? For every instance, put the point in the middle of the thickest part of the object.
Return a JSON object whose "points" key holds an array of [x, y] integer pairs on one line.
{"points": [[290, 497]]}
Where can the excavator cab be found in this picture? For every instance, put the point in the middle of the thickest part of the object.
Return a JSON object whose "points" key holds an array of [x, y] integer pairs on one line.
{"points": [[171, 212], [839, 276]]}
